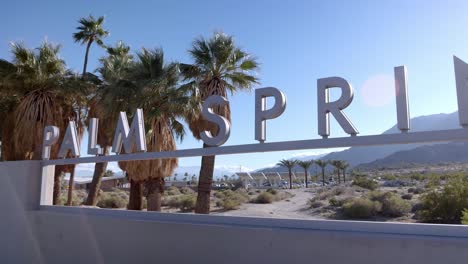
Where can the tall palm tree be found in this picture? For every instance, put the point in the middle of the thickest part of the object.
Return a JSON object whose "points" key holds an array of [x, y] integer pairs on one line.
{"points": [[322, 164], [39, 91], [305, 164], [163, 104], [218, 66], [90, 30], [115, 94], [289, 164]]}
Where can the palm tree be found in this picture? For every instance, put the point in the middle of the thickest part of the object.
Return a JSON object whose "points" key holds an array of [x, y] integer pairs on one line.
{"points": [[90, 30], [164, 104], [37, 90], [289, 164], [115, 94], [343, 166], [322, 164], [305, 164], [337, 165], [219, 66]]}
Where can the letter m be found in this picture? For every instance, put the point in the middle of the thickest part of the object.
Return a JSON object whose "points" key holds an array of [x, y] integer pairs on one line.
{"points": [[130, 136]]}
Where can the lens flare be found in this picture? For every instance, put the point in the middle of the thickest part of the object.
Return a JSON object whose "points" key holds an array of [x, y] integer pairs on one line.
{"points": [[378, 90]]}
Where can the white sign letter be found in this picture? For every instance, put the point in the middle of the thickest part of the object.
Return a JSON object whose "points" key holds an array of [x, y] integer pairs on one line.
{"points": [[70, 142], [401, 91], [262, 114], [224, 127], [51, 135], [325, 107], [93, 148], [461, 78], [130, 136]]}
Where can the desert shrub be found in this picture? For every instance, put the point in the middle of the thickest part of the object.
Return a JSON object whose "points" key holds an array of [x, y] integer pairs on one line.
{"points": [[228, 204], [393, 205], [389, 177], [315, 204], [78, 197], [365, 183], [417, 176], [464, 219], [407, 196], [264, 198], [172, 191], [446, 205], [114, 199], [186, 190], [361, 208], [272, 191], [184, 203], [338, 190], [230, 200], [258, 191], [378, 195], [323, 194], [337, 202], [251, 193]]}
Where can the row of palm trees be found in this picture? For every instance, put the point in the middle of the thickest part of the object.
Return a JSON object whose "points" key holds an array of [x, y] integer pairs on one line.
{"points": [[340, 167], [37, 89]]}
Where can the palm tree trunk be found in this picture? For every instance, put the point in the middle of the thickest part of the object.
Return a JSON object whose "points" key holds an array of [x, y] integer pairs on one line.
{"points": [[70, 187], [155, 188], [85, 65], [323, 176], [204, 184], [307, 185], [136, 196], [57, 182], [290, 179], [95, 186], [339, 176], [344, 176]]}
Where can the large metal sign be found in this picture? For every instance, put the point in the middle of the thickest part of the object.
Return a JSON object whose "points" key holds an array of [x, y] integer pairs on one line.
{"points": [[133, 136]]}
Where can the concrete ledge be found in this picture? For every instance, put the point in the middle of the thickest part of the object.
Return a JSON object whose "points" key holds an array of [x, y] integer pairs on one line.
{"points": [[364, 227]]}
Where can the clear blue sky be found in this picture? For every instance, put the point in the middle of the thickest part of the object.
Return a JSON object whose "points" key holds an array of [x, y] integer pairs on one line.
{"points": [[296, 42]]}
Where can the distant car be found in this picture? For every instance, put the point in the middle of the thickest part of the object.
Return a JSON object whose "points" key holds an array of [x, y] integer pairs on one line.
{"points": [[267, 184]]}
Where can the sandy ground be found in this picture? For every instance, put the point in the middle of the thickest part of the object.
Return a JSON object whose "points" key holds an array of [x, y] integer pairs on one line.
{"points": [[294, 207]]}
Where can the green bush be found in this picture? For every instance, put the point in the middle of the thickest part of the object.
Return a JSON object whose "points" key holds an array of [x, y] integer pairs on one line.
{"points": [[172, 191], [393, 205], [337, 202], [272, 191], [361, 208], [114, 199], [264, 198], [186, 190], [184, 203], [417, 176], [389, 177], [365, 183], [464, 219], [231, 200], [446, 205]]}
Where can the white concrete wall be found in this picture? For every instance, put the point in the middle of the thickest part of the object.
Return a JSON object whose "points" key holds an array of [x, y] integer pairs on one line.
{"points": [[48, 234]]}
